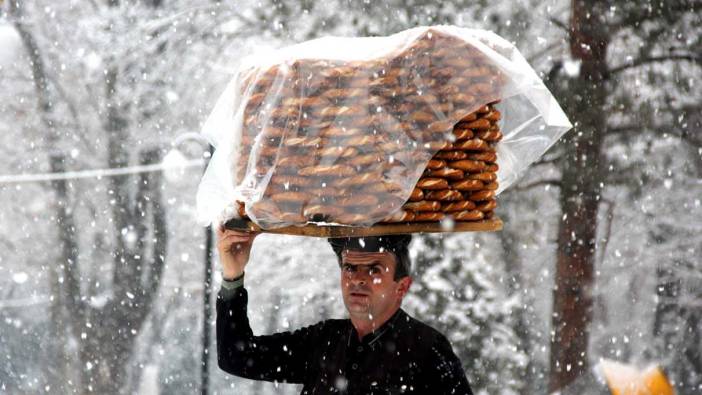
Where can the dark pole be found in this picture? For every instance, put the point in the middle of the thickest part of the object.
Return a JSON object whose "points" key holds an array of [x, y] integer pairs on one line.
{"points": [[206, 308]]}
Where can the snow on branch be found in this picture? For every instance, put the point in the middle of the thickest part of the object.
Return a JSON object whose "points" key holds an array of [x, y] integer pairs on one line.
{"points": [[653, 59]]}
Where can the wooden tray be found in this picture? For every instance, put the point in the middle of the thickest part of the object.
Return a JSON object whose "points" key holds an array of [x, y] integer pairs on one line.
{"points": [[489, 225]]}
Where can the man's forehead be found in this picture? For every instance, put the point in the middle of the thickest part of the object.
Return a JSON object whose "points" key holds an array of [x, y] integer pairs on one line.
{"points": [[351, 256]]}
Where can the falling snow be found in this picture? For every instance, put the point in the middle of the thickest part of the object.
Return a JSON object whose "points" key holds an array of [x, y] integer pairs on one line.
{"points": [[78, 254]]}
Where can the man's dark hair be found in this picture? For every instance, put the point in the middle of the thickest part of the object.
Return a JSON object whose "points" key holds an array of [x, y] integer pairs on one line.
{"points": [[397, 244]]}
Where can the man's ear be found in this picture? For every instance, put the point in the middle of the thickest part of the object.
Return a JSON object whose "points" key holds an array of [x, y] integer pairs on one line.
{"points": [[404, 285]]}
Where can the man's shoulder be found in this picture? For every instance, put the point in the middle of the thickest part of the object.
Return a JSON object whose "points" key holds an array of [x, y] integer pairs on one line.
{"points": [[415, 324], [419, 330], [333, 326], [336, 322]]}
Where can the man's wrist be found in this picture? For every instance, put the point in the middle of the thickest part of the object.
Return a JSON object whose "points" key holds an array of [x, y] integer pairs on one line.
{"points": [[234, 283], [232, 276]]}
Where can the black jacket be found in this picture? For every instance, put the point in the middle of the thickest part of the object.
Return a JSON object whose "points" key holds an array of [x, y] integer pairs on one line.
{"points": [[404, 356]]}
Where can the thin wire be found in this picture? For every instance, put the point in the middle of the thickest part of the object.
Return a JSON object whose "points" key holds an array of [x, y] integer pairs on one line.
{"points": [[21, 178], [24, 302]]}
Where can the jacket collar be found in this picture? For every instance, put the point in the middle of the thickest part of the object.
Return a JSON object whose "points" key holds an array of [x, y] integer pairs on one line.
{"points": [[373, 337]]}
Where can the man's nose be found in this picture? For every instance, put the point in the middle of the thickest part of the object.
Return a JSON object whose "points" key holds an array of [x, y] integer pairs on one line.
{"points": [[359, 277]]}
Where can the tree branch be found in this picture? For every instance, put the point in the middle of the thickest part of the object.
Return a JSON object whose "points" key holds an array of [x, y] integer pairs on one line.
{"points": [[608, 227], [139, 209], [547, 161], [118, 156], [74, 114], [622, 129], [552, 182], [654, 59], [149, 197], [39, 75], [160, 236], [535, 56], [560, 24], [550, 78], [634, 19], [673, 129], [69, 246], [623, 175]]}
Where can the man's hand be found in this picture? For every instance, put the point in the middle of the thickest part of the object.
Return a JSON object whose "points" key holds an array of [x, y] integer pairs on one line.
{"points": [[234, 248]]}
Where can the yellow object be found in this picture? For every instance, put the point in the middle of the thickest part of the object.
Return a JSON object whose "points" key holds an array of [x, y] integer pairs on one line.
{"points": [[624, 379]]}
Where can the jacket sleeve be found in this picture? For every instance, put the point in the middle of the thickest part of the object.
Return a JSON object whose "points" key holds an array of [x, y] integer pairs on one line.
{"points": [[280, 357], [447, 375]]}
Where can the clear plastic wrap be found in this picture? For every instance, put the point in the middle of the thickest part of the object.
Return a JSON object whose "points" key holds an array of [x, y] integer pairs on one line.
{"points": [[340, 130]]}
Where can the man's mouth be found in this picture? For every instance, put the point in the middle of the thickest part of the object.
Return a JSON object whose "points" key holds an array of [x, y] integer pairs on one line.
{"points": [[358, 294]]}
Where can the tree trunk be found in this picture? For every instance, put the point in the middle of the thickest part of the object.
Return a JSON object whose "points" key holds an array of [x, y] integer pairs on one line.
{"points": [[579, 198], [115, 327], [105, 335], [66, 284], [58, 371]]}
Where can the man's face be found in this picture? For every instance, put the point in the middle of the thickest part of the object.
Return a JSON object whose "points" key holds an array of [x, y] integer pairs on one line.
{"points": [[367, 284]]}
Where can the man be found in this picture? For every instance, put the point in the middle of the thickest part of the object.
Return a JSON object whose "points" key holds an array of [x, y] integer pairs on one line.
{"points": [[378, 350]]}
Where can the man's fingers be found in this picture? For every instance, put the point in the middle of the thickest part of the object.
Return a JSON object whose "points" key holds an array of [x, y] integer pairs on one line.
{"points": [[228, 234], [238, 235], [232, 240], [235, 239]]}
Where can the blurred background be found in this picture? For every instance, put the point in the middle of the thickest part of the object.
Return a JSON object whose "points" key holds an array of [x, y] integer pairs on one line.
{"points": [[104, 273]]}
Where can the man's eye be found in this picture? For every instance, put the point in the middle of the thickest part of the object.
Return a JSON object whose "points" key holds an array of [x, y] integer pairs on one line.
{"points": [[348, 268], [375, 270]]}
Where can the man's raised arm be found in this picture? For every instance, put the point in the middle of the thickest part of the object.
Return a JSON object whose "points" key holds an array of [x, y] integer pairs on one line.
{"points": [[280, 357]]}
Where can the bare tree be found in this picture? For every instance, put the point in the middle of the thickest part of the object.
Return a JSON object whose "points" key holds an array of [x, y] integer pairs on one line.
{"points": [[592, 28], [64, 219], [105, 333]]}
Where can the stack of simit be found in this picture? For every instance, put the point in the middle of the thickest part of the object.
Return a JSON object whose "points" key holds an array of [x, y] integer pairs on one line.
{"points": [[345, 142], [460, 180]]}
